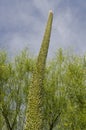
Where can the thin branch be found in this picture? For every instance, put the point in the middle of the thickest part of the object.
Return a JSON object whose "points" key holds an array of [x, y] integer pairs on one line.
{"points": [[54, 122], [6, 120]]}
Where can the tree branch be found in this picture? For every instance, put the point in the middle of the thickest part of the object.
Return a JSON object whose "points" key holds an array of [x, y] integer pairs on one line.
{"points": [[6, 120], [54, 122]]}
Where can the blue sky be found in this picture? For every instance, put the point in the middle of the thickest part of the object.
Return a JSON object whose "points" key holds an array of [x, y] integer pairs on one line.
{"points": [[22, 24]]}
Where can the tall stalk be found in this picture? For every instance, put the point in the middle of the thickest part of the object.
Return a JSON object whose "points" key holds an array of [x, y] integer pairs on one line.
{"points": [[34, 114]]}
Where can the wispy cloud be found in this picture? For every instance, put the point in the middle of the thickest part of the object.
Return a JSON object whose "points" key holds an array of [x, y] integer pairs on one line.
{"points": [[22, 24]]}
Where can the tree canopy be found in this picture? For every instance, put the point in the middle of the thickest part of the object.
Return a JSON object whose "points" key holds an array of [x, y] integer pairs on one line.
{"points": [[64, 91]]}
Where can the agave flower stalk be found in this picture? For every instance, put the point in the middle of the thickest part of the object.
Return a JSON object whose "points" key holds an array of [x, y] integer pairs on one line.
{"points": [[34, 114]]}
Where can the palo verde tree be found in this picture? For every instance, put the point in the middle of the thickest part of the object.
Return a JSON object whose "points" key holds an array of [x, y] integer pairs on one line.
{"points": [[34, 114], [14, 81], [64, 99]]}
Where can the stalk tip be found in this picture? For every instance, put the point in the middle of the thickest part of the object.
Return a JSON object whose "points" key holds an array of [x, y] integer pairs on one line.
{"points": [[50, 11]]}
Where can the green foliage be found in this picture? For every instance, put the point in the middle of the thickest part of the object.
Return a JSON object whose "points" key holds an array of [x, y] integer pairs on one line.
{"points": [[74, 82], [14, 82], [64, 91]]}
